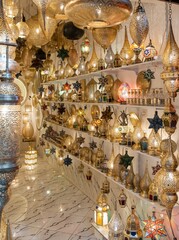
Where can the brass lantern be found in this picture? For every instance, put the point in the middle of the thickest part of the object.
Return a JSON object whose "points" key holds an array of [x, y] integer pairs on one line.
{"points": [[102, 211], [170, 75], [98, 14], [10, 115]]}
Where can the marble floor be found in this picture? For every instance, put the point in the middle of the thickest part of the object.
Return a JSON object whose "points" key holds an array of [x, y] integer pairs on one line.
{"points": [[44, 205]]}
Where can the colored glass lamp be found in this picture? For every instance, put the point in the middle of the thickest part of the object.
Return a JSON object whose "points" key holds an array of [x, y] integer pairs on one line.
{"points": [[102, 211], [154, 228]]}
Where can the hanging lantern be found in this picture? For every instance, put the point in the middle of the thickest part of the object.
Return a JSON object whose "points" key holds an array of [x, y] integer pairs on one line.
{"points": [[91, 88], [23, 29], [154, 141], [109, 58], [42, 5], [73, 57], [11, 9], [126, 53], [145, 183], [169, 117], [85, 47], [115, 226], [104, 36], [139, 26], [57, 8], [154, 228], [122, 199], [93, 63], [150, 53], [133, 230], [97, 14], [102, 211], [170, 62], [71, 32]]}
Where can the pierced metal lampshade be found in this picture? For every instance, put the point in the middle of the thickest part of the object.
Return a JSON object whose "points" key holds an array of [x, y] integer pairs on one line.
{"points": [[170, 75], [23, 29], [42, 5], [139, 25], [97, 13], [10, 116], [56, 8]]}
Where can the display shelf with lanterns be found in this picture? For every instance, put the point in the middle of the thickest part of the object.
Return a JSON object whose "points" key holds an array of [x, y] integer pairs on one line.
{"points": [[133, 67], [102, 174], [101, 139], [115, 104]]}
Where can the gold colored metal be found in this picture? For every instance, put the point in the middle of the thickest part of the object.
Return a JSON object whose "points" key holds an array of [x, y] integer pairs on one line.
{"points": [[145, 183], [104, 36], [98, 14], [143, 83], [133, 226], [136, 182], [126, 53], [139, 26], [93, 63], [130, 178]]}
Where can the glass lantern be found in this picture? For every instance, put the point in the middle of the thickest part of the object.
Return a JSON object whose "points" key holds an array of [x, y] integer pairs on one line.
{"points": [[144, 143], [93, 63], [91, 88], [82, 66], [102, 211], [109, 58], [137, 135], [154, 143], [122, 199], [115, 226], [110, 163]]}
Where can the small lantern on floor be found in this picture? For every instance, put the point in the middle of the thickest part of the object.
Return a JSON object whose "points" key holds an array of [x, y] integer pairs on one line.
{"points": [[31, 156], [89, 175], [106, 186], [102, 211], [115, 226], [133, 230], [122, 199], [47, 150]]}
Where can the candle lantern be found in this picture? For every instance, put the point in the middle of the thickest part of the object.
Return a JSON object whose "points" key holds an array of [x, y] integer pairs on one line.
{"points": [[133, 230], [154, 143], [122, 199], [102, 211], [106, 186], [91, 88], [137, 135], [144, 143], [115, 226]]}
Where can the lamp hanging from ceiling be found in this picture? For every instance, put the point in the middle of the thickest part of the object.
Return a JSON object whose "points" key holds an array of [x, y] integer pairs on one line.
{"points": [[139, 25], [10, 118], [42, 6], [56, 8], [23, 27], [170, 75], [98, 14]]}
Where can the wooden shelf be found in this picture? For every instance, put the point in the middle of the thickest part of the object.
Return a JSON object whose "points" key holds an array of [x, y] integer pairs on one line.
{"points": [[134, 67], [87, 134]]}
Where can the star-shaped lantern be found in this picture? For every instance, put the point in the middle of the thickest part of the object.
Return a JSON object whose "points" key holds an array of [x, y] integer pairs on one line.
{"points": [[52, 150], [93, 145], [62, 133], [62, 53], [77, 86], [66, 87], [156, 168], [155, 122], [44, 124], [41, 89], [67, 161], [154, 228], [80, 140], [42, 143], [44, 107], [102, 81], [61, 108], [149, 74], [54, 107], [107, 114], [126, 159]]}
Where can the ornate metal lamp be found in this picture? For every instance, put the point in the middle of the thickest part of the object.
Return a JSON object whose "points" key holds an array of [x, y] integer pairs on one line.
{"points": [[170, 75], [98, 14], [10, 118]]}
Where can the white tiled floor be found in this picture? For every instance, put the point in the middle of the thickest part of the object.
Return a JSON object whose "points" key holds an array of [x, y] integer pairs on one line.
{"points": [[44, 205]]}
